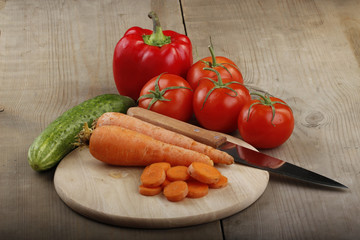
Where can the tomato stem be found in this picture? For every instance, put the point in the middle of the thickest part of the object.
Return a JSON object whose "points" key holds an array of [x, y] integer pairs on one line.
{"points": [[266, 100], [218, 84], [213, 57], [157, 38], [214, 63], [219, 78], [157, 94]]}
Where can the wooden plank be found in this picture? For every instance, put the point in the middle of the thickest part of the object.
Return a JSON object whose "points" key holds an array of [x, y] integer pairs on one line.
{"points": [[307, 53], [54, 55]]}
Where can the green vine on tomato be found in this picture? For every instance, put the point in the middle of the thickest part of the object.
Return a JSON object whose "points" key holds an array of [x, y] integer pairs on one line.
{"points": [[226, 67], [213, 95], [265, 122], [157, 95], [213, 63], [168, 94], [219, 84], [266, 100]]}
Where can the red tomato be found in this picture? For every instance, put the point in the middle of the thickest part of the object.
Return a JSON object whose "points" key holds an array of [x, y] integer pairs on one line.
{"points": [[217, 104], [266, 122], [168, 94], [223, 65]]}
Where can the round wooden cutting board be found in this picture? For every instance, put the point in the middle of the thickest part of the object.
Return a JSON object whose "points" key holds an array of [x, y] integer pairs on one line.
{"points": [[109, 194]]}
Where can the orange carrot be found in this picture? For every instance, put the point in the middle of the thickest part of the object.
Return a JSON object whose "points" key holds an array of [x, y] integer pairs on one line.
{"points": [[163, 165], [223, 181], [204, 173], [149, 191], [164, 135], [177, 173], [197, 189], [176, 191], [119, 146], [153, 176]]}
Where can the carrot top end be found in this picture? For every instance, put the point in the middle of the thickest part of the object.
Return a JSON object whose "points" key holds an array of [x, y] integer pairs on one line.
{"points": [[83, 137]]}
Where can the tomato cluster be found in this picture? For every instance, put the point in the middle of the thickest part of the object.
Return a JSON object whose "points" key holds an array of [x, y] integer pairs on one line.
{"points": [[211, 89], [214, 93]]}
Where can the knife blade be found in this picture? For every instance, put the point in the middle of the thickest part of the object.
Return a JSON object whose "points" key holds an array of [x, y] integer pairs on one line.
{"points": [[241, 151]]}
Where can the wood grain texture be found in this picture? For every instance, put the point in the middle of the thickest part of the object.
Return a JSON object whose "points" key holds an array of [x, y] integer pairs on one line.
{"points": [[307, 53], [55, 54]]}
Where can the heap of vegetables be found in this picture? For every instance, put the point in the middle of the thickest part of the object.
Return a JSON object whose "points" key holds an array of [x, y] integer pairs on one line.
{"points": [[155, 68]]}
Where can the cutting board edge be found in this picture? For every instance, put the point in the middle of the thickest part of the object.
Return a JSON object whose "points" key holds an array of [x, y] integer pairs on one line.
{"points": [[154, 223]]}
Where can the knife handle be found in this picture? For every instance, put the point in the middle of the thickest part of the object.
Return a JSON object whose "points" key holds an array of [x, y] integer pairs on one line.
{"points": [[204, 136]]}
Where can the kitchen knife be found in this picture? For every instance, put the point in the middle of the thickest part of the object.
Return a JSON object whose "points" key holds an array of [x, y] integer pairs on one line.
{"points": [[242, 152]]}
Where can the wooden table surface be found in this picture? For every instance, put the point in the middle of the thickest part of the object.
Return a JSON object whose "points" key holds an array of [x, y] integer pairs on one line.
{"points": [[56, 54]]}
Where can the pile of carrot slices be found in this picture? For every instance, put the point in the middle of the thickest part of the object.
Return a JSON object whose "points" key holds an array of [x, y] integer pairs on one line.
{"points": [[180, 182]]}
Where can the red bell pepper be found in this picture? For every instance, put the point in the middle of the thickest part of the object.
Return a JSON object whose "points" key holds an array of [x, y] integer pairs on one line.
{"points": [[142, 54]]}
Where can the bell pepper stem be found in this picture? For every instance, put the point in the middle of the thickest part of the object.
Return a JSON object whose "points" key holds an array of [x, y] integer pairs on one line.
{"points": [[156, 22], [157, 38]]}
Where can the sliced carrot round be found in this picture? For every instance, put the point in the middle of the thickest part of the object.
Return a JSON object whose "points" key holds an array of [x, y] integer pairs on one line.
{"points": [[153, 176], [177, 173], [149, 191], [197, 189], [223, 181], [176, 191], [164, 165], [204, 173]]}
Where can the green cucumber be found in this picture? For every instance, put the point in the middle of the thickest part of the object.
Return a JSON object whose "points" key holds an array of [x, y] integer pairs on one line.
{"points": [[58, 137]]}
